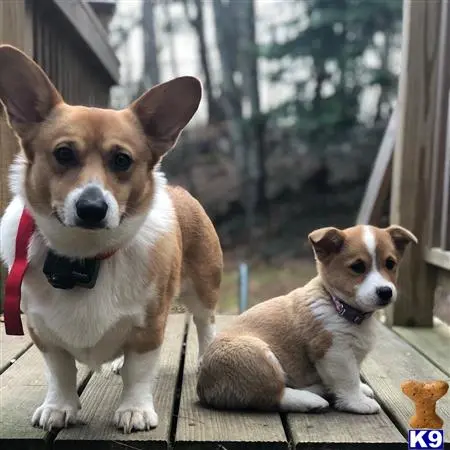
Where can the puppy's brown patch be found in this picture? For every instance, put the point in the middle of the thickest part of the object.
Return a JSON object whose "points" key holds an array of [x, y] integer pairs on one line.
{"points": [[273, 344]]}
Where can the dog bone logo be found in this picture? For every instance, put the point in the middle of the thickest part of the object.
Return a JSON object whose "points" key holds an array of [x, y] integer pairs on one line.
{"points": [[425, 395]]}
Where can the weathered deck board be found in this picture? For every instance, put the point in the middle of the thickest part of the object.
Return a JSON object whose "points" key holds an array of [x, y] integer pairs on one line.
{"points": [[200, 428], [433, 343], [341, 431], [101, 398], [22, 389], [393, 361], [11, 347]]}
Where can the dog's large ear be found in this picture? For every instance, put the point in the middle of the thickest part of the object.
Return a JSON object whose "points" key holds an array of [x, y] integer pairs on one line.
{"points": [[326, 241], [166, 109], [401, 237], [25, 90]]}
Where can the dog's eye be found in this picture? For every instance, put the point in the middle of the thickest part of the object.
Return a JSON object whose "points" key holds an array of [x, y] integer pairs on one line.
{"points": [[121, 162], [358, 267], [390, 264], [65, 156]]}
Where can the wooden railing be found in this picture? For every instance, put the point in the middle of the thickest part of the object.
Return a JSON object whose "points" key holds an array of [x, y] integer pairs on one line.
{"points": [[412, 169]]}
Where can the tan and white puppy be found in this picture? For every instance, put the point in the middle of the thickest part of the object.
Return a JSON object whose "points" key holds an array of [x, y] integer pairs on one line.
{"points": [[90, 178], [292, 352]]}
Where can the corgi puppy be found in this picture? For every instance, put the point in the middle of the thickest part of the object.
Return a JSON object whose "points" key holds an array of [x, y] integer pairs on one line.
{"points": [[90, 178], [292, 352]]}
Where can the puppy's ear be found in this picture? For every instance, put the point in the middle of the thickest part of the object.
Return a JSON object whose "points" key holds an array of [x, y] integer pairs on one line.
{"points": [[166, 109], [25, 90], [326, 242], [401, 237]]}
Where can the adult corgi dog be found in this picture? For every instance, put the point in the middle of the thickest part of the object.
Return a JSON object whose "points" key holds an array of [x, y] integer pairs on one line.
{"points": [[292, 353], [111, 239]]}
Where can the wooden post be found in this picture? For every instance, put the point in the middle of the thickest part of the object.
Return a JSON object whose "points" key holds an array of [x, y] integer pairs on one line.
{"points": [[411, 184]]}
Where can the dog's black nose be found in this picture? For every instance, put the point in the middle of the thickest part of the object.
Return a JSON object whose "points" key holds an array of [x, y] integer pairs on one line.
{"points": [[384, 294], [91, 208]]}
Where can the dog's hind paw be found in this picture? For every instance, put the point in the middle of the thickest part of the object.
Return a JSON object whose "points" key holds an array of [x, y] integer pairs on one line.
{"points": [[136, 419], [52, 417]]}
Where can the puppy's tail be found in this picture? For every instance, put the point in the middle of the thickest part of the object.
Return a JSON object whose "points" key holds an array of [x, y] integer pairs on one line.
{"points": [[241, 372]]}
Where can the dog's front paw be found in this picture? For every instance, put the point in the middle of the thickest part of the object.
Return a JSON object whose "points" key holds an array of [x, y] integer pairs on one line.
{"points": [[50, 416], [367, 390], [358, 404], [131, 419]]}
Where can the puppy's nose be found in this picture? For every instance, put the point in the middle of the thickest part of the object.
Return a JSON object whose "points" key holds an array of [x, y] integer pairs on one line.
{"points": [[91, 208], [384, 294]]}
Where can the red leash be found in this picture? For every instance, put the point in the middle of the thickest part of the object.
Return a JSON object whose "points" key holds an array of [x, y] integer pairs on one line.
{"points": [[13, 286]]}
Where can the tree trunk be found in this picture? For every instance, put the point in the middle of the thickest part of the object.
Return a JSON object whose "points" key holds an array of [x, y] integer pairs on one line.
{"points": [[151, 64], [256, 168], [169, 32], [215, 114], [227, 41]]}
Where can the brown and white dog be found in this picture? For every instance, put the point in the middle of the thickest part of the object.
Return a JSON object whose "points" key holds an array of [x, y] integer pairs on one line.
{"points": [[90, 178], [291, 352]]}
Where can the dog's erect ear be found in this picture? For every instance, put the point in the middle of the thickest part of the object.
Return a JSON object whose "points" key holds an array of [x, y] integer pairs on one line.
{"points": [[25, 90], [401, 237], [326, 241], [166, 109]]}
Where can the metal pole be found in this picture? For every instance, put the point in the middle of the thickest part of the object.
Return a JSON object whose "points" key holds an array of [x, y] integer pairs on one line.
{"points": [[243, 287]]}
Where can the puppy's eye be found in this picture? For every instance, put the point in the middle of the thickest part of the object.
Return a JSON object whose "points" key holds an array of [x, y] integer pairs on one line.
{"points": [[65, 156], [358, 267], [390, 264], [120, 162]]}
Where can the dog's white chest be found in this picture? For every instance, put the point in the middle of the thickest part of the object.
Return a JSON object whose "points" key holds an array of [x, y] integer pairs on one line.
{"points": [[90, 323]]}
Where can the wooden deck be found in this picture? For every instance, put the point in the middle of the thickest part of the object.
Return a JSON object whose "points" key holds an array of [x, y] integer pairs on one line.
{"points": [[399, 355]]}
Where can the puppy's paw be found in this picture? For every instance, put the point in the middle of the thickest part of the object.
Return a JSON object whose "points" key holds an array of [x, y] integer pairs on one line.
{"points": [[358, 404], [141, 418], [53, 417], [367, 390], [116, 365]]}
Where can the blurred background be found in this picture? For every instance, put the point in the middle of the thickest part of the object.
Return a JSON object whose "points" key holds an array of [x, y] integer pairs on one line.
{"points": [[297, 96]]}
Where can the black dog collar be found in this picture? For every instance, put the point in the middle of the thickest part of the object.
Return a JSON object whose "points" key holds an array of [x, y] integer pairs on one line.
{"points": [[350, 313], [66, 273]]}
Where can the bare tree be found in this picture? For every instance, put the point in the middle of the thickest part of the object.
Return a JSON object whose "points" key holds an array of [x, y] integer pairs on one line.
{"points": [[169, 29], [151, 75], [195, 16], [255, 160], [225, 17]]}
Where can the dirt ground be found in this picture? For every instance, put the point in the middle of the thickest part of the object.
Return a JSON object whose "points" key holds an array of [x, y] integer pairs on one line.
{"points": [[265, 281]]}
